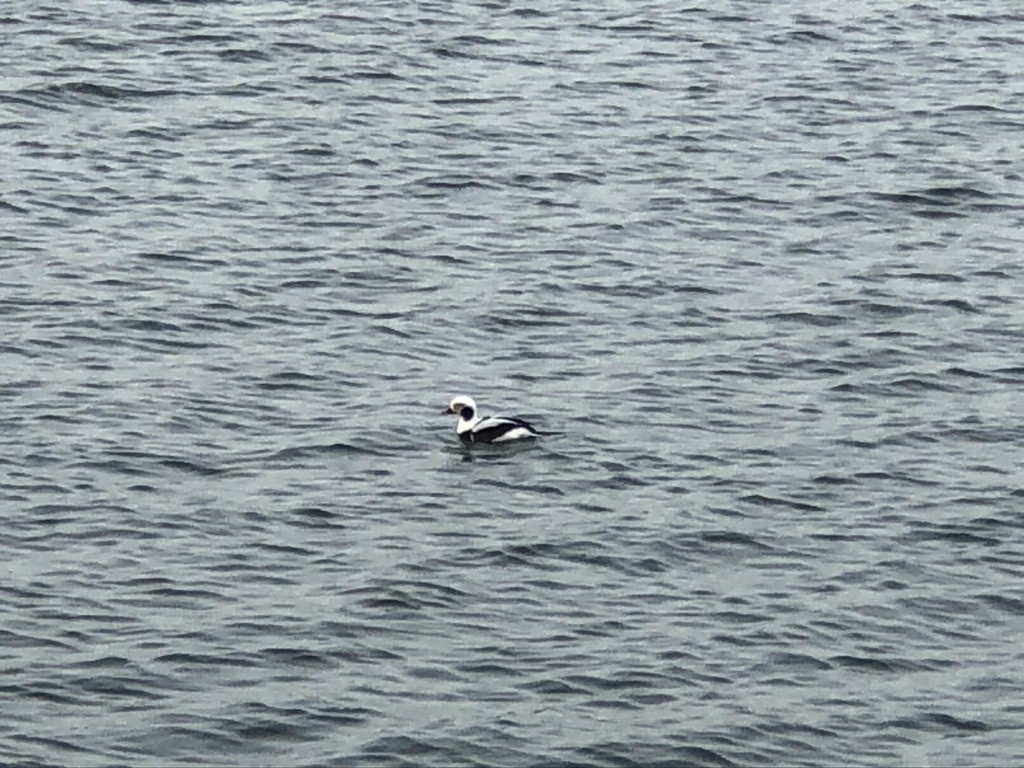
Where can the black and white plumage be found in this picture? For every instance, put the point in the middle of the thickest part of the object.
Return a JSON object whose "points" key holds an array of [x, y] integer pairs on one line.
{"points": [[473, 428]]}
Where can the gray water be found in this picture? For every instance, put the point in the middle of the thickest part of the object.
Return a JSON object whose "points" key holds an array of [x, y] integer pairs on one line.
{"points": [[760, 263]]}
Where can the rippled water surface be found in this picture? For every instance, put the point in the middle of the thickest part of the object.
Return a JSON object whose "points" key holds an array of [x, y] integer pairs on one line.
{"points": [[760, 263]]}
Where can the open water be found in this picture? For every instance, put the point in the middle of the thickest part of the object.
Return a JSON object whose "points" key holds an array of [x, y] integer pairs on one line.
{"points": [[760, 262]]}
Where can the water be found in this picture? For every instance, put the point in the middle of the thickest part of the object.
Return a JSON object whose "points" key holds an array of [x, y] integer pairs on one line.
{"points": [[760, 263]]}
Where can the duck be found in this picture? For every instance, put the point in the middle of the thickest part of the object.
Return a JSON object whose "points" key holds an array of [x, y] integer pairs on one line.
{"points": [[473, 428]]}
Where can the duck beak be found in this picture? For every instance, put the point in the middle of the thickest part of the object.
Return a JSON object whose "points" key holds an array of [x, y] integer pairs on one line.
{"points": [[447, 411]]}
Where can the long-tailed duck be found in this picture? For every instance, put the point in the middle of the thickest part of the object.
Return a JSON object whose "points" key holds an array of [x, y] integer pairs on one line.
{"points": [[473, 428]]}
